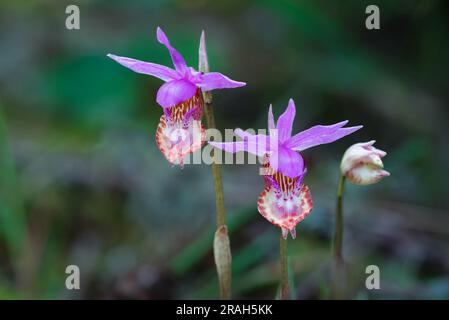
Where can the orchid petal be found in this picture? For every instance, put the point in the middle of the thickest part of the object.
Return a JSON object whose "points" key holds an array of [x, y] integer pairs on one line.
{"points": [[263, 143], [285, 122], [317, 135], [174, 92], [290, 163], [178, 60], [216, 80], [244, 135], [231, 147], [238, 146], [255, 144], [153, 69]]}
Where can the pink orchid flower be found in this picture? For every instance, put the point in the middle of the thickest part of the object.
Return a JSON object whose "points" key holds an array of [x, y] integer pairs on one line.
{"points": [[180, 130], [285, 200]]}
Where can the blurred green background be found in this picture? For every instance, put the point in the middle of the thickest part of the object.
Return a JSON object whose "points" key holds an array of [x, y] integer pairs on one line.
{"points": [[82, 181]]}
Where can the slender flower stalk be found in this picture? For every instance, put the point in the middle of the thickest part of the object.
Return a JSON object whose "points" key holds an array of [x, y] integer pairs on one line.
{"points": [[222, 250], [338, 239], [361, 165], [338, 282], [286, 200], [284, 292]]}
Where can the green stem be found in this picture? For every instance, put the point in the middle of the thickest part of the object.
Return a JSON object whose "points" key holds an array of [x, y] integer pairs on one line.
{"points": [[224, 272], [222, 252], [338, 262], [338, 236], [216, 170], [285, 287]]}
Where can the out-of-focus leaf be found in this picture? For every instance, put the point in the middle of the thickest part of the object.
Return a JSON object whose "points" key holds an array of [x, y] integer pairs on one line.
{"points": [[12, 223], [195, 251]]}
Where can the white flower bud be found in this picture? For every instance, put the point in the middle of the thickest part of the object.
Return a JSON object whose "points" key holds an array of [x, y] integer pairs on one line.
{"points": [[362, 164]]}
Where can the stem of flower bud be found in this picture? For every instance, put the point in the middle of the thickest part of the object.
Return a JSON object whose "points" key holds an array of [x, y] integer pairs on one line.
{"points": [[338, 274], [224, 269]]}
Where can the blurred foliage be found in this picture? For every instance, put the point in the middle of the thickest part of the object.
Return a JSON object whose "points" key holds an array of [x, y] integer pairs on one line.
{"points": [[12, 224], [82, 182]]}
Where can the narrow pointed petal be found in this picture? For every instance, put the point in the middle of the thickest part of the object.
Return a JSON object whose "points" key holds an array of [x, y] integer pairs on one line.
{"points": [[271, 123], [152, 69], [203, 60], [262, 142], [231, 147], [318, 135], [290, 163], [256, 146], [259, 138], [285, 122], [178, 60], [310, 133], [216, 80], [175, 92], [242, 134]]}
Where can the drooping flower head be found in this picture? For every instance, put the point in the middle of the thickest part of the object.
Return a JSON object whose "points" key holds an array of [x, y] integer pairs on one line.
{"points": [[362, 164], [285, 200], [180, 131]]}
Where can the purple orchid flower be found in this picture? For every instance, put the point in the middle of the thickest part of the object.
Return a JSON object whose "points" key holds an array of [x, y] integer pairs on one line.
{"points": [[180, 131], [285, 200]]}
